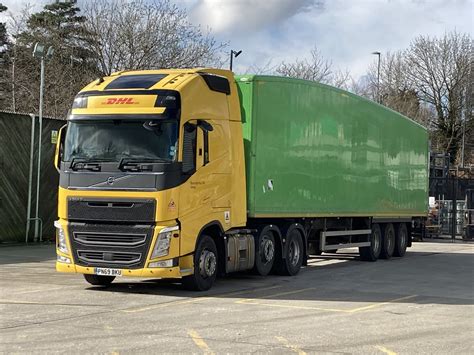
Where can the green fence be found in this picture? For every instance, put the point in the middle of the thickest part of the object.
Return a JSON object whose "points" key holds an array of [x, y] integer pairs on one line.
{"points": [[15, 137]]}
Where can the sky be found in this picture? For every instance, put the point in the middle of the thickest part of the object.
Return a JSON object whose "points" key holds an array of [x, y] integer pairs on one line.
{"points": [[344, 31]]}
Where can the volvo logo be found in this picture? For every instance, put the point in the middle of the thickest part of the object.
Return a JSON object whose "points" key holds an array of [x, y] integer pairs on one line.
{"points": [[110, 180]]}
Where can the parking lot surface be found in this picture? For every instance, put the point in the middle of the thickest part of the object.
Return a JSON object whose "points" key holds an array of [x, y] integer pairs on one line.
{"points": [[422, 303]]}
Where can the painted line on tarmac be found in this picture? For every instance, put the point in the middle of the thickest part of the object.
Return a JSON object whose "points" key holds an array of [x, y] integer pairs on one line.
{"points": [[292, 347], [380, 304], [385, 350], [194, 300], [339, 310], [199, 341], [251, 300]]}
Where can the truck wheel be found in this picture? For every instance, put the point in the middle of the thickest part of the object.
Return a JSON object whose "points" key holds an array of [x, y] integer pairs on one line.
{"points": [[291, 265], [401, 240], [372, 252], [264, 253], [205, 266], [388, 241], [99, 280]]}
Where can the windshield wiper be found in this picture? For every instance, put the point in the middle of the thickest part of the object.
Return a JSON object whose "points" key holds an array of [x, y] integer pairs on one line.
{"points": [[134, 164], [86, 164]]}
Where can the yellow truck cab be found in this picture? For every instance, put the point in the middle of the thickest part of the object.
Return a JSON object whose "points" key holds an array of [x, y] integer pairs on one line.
{"points": [[138, 183]]}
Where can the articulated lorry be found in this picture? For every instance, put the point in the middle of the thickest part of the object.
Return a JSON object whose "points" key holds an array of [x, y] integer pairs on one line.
{"points": [[190, 174]]}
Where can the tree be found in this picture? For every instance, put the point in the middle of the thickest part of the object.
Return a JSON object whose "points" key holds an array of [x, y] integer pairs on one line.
{"points": [[441, 71], [316, 68], [72, 66], [4, 97], [146, 35]]}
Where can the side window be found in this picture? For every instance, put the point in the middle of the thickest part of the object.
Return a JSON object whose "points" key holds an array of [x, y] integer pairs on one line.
{"points": [[189, 148]]}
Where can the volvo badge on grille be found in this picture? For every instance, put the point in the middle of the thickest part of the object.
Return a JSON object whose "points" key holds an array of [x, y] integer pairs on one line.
{"points": [[110, 180]]}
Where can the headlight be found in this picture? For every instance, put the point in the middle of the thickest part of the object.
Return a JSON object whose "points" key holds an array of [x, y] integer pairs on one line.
{"points": [[162, 245], [60, 238]]}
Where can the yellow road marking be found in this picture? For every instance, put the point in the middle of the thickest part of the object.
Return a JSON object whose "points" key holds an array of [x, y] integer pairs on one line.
{"points": [[375, 305], [194, 300], [353, 310], [250, 300], [292, 347], [199, 341], [385, 350]]}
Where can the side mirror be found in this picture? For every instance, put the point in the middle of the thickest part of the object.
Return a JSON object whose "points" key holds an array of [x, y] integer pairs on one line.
{"points": [[58, 155], [189, 148], [205, 126]]}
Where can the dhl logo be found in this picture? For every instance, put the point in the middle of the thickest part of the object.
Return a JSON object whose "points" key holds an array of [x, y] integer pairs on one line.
{"points": [[119, 101]]}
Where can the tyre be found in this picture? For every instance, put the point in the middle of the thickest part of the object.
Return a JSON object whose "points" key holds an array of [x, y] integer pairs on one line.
{"points": [[291, 265], [388, 241], [372, 252], [401, 240], [264, 253], [99, 280], [205, 266]]}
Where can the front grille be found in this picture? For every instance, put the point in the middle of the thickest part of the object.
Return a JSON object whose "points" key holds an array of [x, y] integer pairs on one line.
{"points": [[110, 245], [122, 259], [119, 239]]}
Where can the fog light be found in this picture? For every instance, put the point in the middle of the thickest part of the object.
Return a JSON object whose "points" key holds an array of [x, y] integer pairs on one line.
{"points": [[63, 259], [162, 245], [61, 238], [163, 263]]}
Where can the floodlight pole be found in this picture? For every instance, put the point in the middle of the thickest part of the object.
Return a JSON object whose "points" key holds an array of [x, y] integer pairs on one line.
{"points": [[40, 129], [233, 54], [378, 76]]}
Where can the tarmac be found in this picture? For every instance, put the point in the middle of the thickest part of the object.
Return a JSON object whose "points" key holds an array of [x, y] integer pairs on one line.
{"points": [[419, 304]]}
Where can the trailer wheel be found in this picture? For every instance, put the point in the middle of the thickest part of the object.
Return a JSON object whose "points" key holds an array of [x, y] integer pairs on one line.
{"points": [[264, 253], [401, 240], [291, 265], [372, 252], [99, 280], [205, 266], [388, 241]]}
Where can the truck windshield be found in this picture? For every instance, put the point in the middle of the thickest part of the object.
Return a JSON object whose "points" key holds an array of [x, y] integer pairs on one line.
{"points": [[113, 140]]}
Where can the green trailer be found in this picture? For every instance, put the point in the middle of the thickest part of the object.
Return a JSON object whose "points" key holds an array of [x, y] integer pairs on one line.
{"points": [[312, 150]]}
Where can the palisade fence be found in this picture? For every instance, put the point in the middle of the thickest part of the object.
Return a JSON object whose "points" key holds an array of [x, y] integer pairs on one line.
{"points": [[15, 138]]}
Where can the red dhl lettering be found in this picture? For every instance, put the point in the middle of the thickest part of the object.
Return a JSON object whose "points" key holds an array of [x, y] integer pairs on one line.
{"points": [[119, 100]]}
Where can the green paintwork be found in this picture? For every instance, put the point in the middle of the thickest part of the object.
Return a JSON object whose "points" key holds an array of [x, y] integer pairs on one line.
{"points": [[328, 152]]}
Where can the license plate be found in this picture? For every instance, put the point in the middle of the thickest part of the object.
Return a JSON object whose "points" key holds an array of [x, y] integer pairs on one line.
{"points": [[107, 272]]}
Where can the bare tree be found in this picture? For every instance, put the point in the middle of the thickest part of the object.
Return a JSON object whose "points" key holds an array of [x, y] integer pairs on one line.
{"points": [[142, 35], [316, 68], [441, 71]]}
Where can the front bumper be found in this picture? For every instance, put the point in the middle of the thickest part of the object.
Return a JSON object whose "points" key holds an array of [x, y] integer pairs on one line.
{"points": [[173, 272]]}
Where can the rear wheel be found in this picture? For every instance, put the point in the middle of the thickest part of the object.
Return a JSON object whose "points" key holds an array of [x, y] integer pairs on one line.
{"points": [[388, 241], [264, 253], [205, 266], [291, 265], [401, 240], [372, 252], [99, 280]]}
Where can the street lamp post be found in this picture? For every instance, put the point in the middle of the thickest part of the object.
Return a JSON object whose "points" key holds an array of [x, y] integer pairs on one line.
{"points": [[40, 52], [378, 75], [233, 54]]}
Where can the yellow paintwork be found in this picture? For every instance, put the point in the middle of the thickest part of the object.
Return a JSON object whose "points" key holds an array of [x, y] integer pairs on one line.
{"points": [[215, 191]]}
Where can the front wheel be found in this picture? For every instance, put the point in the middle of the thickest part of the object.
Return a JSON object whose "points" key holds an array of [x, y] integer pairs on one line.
{"points": [[205, 266], [99, 280]]}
